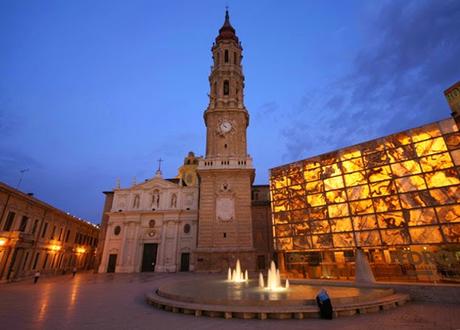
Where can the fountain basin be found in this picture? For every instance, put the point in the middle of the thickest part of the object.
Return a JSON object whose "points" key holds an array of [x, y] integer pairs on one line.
{"points": [[221, 292]]}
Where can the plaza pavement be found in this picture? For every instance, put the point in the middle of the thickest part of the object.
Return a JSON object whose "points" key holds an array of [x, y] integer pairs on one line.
{"points": [[116, 301]]}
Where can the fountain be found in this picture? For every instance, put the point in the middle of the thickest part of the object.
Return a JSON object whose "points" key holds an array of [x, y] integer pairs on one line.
{"points": [[273, 279], [240, 297], [236, 275]]}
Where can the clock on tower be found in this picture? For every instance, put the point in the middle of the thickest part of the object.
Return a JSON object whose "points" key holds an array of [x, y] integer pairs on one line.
{"points": [[226, 173]]}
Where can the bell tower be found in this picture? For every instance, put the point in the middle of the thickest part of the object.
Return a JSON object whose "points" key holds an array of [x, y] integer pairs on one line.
{"points": [[226, 173]]}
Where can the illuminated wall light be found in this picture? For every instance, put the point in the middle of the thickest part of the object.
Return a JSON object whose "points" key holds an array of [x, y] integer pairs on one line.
{"points": [[81, 250], [55, 248], [2, 241]]}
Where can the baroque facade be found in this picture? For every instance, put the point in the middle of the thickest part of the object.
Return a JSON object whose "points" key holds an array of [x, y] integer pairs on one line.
{"points": [[35, 236], [152, 226]]}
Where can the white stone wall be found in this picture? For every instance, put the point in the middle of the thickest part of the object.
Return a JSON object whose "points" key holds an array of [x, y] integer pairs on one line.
{"points": [[134, 208]]}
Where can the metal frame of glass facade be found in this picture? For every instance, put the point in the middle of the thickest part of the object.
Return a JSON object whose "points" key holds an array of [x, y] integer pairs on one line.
{"points": [[399, 190]]}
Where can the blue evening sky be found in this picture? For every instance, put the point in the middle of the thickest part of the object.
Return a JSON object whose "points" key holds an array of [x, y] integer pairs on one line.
{"points": [[92, 91]]}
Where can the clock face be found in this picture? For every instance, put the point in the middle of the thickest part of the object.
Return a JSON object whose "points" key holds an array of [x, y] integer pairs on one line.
{"points": [[225, 127]]}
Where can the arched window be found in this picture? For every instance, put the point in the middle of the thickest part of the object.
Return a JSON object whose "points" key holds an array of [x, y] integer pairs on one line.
{"points": [[226, 87], [226, 56], [117, 230]]}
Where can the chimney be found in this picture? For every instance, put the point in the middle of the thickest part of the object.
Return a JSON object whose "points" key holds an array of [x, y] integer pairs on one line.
{"points": [[453, 98]]}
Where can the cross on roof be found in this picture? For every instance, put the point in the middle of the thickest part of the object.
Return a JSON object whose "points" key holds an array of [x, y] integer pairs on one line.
{"points": [[159, 164]]}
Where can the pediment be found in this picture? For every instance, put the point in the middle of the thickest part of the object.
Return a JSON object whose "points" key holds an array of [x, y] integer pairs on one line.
{"points": [[155, 183]]}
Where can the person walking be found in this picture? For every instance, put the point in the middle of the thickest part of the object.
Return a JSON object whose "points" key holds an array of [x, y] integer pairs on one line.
{"points": [[36, 276], [324, 304], [74, 271]]}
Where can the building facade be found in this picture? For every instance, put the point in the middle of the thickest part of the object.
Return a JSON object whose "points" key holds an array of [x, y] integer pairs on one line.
{"points": [[152, 226], [225, 230], [397, 197], [35, 236]]}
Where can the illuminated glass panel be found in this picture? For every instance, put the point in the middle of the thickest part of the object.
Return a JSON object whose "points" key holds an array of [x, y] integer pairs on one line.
{"points": [[343, 240], [301, 228], [358, 192], [453, 141], [452, 232], [379, 174], [352, 165], [442, 178], [355, 179], [436, 162], [449, 213], [410, 183], [429, 147], [341, 224], [419, 217], [349, 154], [426, 132], [284, 243], [302, 243], [365, 222], [456, 157], [361, 207], [318, 213], [316, 200], [338, 210], [406, 168], [333, 183], [401, 154], [387, 203], [391, 220], [382, 188], [313, 174], [426, 234], [331, 170], [395, 237], [315, 187], [283, 230], [368, 238], [336, 196], [322, 241]]}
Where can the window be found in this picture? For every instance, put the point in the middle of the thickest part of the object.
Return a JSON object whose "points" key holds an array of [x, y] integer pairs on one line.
{"points": [[187, 228], [60, 234], [226, 56], [9, 221], [34, 228], [53, 232], [67, 235], [23, 225], [46, 260], [117, 230], [234, 57], [44, 229], [226, 87], [152, 223], [36, 260]]}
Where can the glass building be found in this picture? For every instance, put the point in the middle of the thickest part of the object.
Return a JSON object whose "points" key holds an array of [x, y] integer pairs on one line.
{"points": [[397, 197]]}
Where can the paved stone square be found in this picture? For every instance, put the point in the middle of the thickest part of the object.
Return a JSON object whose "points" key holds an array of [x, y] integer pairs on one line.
{"points": [[104, 301]]}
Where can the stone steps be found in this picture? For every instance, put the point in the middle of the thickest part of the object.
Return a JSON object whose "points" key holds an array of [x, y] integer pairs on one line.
{"points": [[273, 312]]}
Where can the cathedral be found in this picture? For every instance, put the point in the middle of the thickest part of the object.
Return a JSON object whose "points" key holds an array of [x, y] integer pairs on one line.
{"points": [[211, 214]]}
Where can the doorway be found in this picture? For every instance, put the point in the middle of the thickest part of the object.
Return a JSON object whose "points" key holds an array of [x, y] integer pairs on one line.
{"points": [[112, 263], [149, 257], [185, 262]]}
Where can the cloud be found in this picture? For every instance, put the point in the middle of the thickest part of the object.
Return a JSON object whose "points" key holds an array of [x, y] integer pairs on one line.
{"points": [[395, 83], [267, 109]]}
